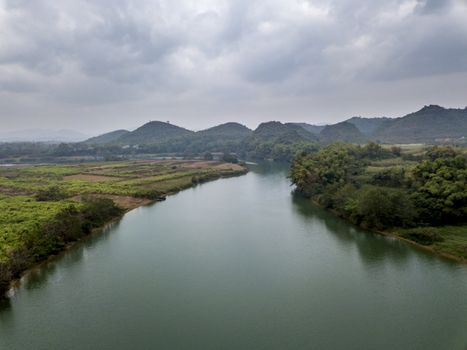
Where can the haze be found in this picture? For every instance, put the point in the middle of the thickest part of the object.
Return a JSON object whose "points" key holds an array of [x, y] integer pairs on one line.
{"points": [[95, 66]]}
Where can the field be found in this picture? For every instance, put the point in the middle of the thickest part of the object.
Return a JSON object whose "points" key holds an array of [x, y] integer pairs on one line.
{"points": [[32, 196]]}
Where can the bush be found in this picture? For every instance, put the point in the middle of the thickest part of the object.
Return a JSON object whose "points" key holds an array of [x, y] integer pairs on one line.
{"points": [[5, 278], [423, 235], [51, 194], [97, 211], [229, 158], [208, 156], [392, 177], [380, 208]]}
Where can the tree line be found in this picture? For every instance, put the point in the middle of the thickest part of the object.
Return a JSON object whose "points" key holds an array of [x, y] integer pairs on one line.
{"points": [[430, 193]]}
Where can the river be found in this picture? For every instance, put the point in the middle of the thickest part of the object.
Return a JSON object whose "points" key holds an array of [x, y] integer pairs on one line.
{"points": [[239, 263]]}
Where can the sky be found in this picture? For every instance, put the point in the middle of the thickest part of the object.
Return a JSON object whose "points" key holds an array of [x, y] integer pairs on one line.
{"points": [[100, 65]]}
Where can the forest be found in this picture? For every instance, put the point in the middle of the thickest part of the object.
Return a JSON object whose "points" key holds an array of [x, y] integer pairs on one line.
{"points": [[419, 196]]}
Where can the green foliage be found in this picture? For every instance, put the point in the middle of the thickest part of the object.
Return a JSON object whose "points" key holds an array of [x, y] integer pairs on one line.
{"points": [[335, 164], [208, 156], [52, 193], [371, 190], [229, 158], [381, 208], [43, 208], [423, 235], [440, 184], [390, 177]]}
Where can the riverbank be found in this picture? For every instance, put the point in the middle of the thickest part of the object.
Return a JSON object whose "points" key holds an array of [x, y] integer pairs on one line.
{"points": [[419, 197], [45, 209], [442, 249]]}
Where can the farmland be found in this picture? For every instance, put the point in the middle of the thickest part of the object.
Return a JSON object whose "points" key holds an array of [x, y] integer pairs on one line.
{"points": [[45, 207]]}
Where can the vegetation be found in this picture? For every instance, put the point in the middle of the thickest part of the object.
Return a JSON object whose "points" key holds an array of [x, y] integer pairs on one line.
{"points": [[44, 208], [270, 140], [345, 131], [424, 201], [430, 124]]}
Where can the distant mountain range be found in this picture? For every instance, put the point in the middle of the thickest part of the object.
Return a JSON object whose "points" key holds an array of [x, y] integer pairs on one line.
{"points": [[42, 135], [428, 125]]}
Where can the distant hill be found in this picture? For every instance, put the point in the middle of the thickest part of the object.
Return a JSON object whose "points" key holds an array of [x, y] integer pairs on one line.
{"points": [[107, 137], [314, 129], [226, 131], [154, 132], [367, 125], [278, 132], [429, 124], [343, 131], [43, 135]]}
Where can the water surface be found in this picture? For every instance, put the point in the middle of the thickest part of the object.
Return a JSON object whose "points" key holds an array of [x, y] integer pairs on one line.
{"points": [[239, 263]]}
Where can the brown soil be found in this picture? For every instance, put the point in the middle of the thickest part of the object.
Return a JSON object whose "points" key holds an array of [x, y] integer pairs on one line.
{"points": [[92, 178]]}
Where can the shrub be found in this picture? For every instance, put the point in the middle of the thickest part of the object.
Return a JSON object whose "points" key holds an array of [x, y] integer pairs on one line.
{"points": [[380, 208], [423, 235], [51, 194], [5, 278]]}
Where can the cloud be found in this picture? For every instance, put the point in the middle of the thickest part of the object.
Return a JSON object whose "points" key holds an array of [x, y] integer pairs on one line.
{"points": [[94, 55]]}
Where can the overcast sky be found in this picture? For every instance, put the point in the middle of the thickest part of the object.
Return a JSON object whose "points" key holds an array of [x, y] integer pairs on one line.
{"points": [[99, 65]]}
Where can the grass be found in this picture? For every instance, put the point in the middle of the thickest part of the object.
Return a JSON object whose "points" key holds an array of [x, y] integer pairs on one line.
{"points": [[129, 184], [448, 240]]}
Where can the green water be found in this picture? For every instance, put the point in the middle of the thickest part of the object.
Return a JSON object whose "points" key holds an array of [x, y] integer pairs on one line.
{"points": [[239, 263]]}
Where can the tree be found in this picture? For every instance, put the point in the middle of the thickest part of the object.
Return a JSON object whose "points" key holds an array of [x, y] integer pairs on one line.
{"points": [[439, 185], [208, 156]]}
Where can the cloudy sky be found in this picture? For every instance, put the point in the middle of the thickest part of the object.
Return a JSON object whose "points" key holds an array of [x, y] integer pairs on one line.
{"points": [[97, 65]]}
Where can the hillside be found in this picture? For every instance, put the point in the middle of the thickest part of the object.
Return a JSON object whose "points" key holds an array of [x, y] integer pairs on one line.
{"points": [[278, 132], [431, 123], [343, 131], [154, 132], [107, 137], [227, 130], [314, 129], [367, 125]]}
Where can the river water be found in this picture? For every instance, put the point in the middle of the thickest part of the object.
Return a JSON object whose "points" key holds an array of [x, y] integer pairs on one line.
{"points": [[239, 263]]}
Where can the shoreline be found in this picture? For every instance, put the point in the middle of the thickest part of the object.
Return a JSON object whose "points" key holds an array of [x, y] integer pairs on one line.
{"points": [[18, 281], [425, 248]]}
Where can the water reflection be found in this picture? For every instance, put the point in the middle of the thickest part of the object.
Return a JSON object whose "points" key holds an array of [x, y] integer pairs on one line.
{"points": [[373, 249], [39, 275]]}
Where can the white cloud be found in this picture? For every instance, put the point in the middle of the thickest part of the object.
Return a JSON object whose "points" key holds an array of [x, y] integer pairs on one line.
{"points": [[89, 55]]}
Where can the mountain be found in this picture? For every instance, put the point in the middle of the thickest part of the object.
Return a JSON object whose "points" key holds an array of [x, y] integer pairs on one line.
{"points": [[43, 135], [314, 129], [154, 132], [429, 124], [226, 131], [278, 132], [343, 131], [367, 125], [107, 137]]}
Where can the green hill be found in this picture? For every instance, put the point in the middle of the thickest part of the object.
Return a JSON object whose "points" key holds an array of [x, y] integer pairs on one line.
{"points": [[367, 125], [430, 124], [154, 132], [226, 131], [107, 137], [343, 131], [284, 133], [314, 129]]}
